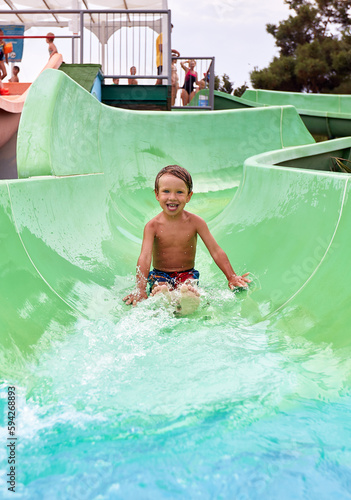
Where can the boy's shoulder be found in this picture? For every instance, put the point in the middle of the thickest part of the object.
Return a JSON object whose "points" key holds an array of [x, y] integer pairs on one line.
{"points": [[152, 224], [196, 219]]}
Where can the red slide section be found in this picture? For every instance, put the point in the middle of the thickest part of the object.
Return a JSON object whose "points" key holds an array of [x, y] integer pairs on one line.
{"points": [[11, 105]]}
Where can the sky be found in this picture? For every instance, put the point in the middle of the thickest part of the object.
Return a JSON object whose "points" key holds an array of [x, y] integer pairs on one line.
{"points": [[233, 31]]}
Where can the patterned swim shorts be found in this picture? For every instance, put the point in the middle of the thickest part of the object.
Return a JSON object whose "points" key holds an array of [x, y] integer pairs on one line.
{"points": [[174, 279]]}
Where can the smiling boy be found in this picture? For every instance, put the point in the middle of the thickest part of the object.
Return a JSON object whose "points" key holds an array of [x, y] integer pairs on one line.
{"points": [[170, 242]]}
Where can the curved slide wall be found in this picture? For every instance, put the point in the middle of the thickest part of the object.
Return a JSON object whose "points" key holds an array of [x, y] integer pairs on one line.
{"points": [[326, 114], [11, 105], [71, 227], [10, 113], [323, 114]]}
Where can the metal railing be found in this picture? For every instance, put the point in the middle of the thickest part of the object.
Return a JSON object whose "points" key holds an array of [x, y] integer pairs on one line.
{"points": [[205, 70], [116, 39], [127, 39], [120, 39]]}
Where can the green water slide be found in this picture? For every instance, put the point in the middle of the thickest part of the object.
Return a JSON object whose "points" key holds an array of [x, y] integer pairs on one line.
{"points": [[224, 101], [71, 226], [323, 114], [326, 114]]}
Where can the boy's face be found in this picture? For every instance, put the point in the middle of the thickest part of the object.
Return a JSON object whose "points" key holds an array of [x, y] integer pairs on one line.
{"points": [[172, 194]]}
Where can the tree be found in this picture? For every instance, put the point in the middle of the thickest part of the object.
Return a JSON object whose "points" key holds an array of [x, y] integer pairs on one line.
{"points": [[314, 48], [238, 92], [217, 82], [227, 85]]}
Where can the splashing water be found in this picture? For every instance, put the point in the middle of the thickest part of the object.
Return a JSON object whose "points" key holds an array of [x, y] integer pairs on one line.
{"points": [[207, 406]]}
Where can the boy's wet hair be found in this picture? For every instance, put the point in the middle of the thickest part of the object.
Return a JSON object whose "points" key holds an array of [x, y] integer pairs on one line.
{"points": [[17, 67], [177, 171]]}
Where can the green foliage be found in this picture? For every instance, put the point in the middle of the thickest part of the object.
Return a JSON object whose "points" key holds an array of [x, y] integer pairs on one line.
{"points": [[314, 48], [227, 85], [280, 75], [217, 82], [238, 92], [224, 84], [343, 88]]}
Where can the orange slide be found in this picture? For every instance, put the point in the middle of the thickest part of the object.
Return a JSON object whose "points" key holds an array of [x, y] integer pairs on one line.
{"points": [[11, 105]]}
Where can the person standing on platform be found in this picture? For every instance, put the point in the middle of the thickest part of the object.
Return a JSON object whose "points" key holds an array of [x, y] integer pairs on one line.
{"points": [[190, 79], [132, 81], [159, 56], [14, 78], [50, 37], [3, 59]]}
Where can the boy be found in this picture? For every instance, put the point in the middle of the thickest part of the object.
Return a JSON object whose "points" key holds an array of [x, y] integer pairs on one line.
{"points": [[50, 37], [132, 81], [170, 240], [14, 78]]}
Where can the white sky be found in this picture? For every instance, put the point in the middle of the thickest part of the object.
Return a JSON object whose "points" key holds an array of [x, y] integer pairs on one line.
{"points": [[234, 31]]}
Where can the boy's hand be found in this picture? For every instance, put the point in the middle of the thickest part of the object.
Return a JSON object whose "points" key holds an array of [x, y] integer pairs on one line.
{"points": [[238, 280], [135, 297]]}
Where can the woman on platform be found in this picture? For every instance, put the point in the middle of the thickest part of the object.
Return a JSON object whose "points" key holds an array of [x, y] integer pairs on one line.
{"points": [[190, 79]]}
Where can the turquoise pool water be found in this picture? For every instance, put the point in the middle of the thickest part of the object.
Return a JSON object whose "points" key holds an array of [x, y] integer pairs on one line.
{"points": [[149, 406]]}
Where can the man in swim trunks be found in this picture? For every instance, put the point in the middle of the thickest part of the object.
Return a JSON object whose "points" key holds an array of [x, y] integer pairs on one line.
{"points": [[170, 241]]}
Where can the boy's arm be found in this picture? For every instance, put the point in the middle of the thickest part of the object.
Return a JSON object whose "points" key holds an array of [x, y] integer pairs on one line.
{"points": [[143, 266], [219, 256]]}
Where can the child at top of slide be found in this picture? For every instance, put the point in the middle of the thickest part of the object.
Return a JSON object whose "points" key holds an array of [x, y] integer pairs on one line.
{"points": [[50, 37], [14, 78], [170, 241], [3, 58], [132, 81]]}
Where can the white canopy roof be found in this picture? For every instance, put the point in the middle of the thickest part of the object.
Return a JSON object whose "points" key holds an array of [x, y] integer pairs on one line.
{"points": [[63, 20]]}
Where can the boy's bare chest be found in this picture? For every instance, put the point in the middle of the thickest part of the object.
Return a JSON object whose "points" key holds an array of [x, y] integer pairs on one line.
{"points": [[175, 235]]}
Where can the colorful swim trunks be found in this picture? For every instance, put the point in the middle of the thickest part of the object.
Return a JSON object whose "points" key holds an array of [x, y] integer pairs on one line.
{"points": [[173, 279]]}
